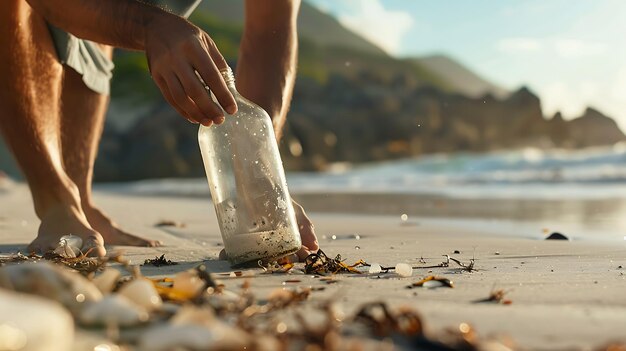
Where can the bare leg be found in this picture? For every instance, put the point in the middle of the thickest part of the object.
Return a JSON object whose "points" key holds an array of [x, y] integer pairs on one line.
{"points": [[82, 121], [29, 118]]}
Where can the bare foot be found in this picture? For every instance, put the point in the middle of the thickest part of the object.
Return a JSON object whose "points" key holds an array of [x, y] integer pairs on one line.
{"points": [[307, 234], [64, 220], [111, 232]]}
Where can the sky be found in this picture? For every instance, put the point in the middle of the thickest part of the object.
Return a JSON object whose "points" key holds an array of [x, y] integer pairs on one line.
{"points": [[572, 53]]}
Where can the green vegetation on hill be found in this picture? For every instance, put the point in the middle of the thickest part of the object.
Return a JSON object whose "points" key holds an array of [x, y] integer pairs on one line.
{"points": [[316, 61]]}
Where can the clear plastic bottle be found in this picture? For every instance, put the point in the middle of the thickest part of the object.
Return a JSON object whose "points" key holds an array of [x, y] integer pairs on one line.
{"points": [[248, 185]]}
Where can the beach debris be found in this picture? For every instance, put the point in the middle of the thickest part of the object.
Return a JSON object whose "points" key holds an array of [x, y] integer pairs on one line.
{"points": [[170, 223], [159, 261], [50, 281], [83, 264], [141, 292], [469, 267], [188, 282], [556, 236], [319, 263], [375, 268], [107, 280], [495, 296], [404, 270], [32, 323], [69, 246], [431, 282], [197, 312], [113, 310], [457, 252], [276, 267]]}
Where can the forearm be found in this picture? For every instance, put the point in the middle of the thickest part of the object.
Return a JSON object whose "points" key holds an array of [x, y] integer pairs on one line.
{"points": [[119, 23], [266, 69]]}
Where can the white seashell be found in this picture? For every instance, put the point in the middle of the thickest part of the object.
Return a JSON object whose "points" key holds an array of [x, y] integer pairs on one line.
{"points": [[194, 315], [219, 336], [431, 284], [105, 282], [48, 280], [188, 282], [113, 310], [142, 292], [30, 323], [69, 246], [375, 268], [177, 337], [404, 270]]}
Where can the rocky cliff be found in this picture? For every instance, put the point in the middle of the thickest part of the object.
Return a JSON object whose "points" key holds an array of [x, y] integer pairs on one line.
{"points": [[359, 120]]}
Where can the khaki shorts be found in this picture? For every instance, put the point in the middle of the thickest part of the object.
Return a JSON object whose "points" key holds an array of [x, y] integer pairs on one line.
{"points": [[86, 57]]}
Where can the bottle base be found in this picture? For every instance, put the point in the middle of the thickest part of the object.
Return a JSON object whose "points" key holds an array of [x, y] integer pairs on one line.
{"points": [[266, 246]]}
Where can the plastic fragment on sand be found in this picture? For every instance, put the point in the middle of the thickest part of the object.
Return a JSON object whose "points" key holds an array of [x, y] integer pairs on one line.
{"points": [[404, 270], [375, 268]]}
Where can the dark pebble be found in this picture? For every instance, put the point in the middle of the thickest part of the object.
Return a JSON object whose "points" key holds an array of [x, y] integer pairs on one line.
{"points": [[457, 251], [556, 236]]}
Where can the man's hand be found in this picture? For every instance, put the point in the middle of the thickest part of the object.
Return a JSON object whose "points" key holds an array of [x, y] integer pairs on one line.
{"points": [[176, 49]]}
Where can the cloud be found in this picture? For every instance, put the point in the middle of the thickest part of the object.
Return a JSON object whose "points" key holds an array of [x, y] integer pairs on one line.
{"points": [[562, 97], [573, 48], [562, 47], [618, 91], [383, 27], [516, 45]]}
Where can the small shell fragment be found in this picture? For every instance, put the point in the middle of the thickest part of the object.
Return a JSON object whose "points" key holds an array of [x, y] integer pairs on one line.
{"points": [[113, 310], [188, 282], [51, 281], [141, 291], [404, 270], [106, 281], [69, 246], [432, 282], [375, 268]]}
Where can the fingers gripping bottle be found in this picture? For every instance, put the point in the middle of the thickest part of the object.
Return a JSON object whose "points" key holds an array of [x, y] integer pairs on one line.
{"points": [[248, 185]]}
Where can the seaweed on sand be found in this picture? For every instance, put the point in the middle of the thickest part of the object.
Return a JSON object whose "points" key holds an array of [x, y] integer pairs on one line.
{"points": [[320, 263], [159, 261]]}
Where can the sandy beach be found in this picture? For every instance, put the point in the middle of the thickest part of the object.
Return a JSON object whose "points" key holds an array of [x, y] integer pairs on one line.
{"points": [[566, 295]]}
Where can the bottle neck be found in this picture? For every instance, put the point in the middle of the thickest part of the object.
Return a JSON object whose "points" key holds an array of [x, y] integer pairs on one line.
{"points": [[229, 77]]}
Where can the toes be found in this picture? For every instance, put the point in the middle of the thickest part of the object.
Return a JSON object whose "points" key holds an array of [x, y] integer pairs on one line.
{"points": [[94, 246], [222, 256]]}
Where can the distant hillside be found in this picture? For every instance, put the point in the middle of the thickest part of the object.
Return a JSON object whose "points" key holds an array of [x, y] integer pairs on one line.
{"points": [[459, 77], [313, 24]]}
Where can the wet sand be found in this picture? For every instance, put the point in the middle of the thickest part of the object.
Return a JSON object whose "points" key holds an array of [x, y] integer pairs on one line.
{"points": [[565, 294]]}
